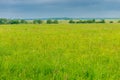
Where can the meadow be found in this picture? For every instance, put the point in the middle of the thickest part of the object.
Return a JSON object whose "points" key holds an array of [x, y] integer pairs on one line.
{"points": [[60, 52]]}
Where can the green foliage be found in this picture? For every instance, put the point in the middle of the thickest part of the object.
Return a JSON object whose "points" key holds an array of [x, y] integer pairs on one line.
{"points": [[111, 22], [23, 21], [80, 21], [119, 21], [37, 21], [55, 22], [101, 21], [71, 21], [14, 22], [52, 21], [49, 21], [19, 21], [4, 21], [87, 21]]}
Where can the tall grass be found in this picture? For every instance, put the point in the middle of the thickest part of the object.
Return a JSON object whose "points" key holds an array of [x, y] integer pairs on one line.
{"points": [[60, 52]]}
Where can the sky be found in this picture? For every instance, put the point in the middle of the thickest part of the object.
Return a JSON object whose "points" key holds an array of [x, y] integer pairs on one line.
{"points": [[59, 8]]}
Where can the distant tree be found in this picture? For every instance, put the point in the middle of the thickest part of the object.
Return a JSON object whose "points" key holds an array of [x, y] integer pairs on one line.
{"points": [[71, 21], [37, 21], [93, 20], [90, 21], [23, 21], [14, 22], [119, 21], [49, 21], [34, 22], [84, 21], [40, 21], [3, 21], [55, 22], [101, 21], [80, 21], [111, 21]]}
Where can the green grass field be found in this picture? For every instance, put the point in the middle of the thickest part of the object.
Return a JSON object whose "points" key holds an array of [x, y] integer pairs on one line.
{"points": [[60, 52]]}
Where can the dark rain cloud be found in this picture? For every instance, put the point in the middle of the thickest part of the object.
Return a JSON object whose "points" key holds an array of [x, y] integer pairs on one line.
{"points": [[59, 8]]}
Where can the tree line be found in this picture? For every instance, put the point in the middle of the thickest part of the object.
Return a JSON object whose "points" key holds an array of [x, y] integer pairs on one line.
{"points": [[12, 21], [86, 21], [22, 21], [37, 21]]}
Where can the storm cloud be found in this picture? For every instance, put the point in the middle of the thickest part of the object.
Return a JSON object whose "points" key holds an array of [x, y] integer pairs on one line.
{"points": [[59, 8]]}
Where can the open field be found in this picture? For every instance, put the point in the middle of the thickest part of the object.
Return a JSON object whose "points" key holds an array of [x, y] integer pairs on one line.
{"points": [[60, 52]]}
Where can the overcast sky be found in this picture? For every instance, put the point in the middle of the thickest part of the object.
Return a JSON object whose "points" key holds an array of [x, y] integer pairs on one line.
{"points": [[59, 8]]}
